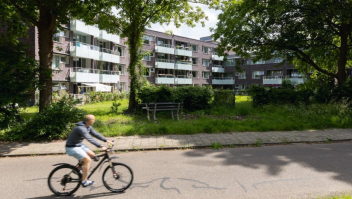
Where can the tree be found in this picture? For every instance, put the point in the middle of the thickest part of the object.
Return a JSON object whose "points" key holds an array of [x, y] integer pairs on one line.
{"points": [[18, 77], [47, 16], [312, 34], [131, 18]]}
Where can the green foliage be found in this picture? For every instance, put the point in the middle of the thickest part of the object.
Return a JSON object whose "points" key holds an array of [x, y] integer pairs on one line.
{"points": [[55, 122], [115, 107], [95, 97], [224, 97], [312, 35], [216, 145], [193, 97]]}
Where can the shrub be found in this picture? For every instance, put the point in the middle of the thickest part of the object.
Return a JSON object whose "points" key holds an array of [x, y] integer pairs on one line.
{"points": [[224, 97], [55, 122], [115, 107], [95, 97]]}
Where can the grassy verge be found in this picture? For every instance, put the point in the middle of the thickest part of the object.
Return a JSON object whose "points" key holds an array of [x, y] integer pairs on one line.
{"points": [[337, 196], [241, 118]]}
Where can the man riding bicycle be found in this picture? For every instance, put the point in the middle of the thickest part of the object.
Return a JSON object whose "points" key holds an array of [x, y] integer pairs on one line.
{"points": [[75, 148]]}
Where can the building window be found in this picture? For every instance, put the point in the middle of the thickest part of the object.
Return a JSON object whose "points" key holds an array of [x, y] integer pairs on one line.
{"points": [[206, 49], [278, 60], [146, 72], [59, 62], [59, 35], [229, 62], [194, 48], [260, 62], [194, 61], [195, 74], [121, 51], [146, 58], [249, 62], [147, 39], [206, 62], [206, 75], [257, 74], [242, 75], [122, 69]]}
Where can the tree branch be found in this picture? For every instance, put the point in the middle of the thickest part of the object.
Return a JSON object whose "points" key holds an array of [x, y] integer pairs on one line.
{"points": [[24, 12]]}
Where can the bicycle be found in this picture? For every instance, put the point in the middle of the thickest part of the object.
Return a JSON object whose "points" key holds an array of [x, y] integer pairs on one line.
{"points": [[66, 174]]}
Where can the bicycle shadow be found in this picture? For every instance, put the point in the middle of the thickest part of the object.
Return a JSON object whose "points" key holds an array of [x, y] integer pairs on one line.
{"points": [[96, 195]]}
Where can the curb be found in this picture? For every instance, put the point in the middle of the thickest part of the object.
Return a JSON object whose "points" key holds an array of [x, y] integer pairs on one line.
{"points": [[191, 147]]}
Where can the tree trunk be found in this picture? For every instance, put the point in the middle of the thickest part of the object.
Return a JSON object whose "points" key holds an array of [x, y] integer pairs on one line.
{"points": [[46, 26], [133, 48], [341, 75]]}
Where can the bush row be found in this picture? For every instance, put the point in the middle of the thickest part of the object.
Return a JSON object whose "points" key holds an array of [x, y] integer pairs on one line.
{"points": [[95, 97], [323, 92], [193, 97]]}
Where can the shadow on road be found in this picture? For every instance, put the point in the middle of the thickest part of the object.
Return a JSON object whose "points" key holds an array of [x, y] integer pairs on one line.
{"points": [[333, 158], [97, 195]]}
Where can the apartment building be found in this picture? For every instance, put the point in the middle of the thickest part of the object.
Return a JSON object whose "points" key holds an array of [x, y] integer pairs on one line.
{"points": [[86, 58], [174, 60]]}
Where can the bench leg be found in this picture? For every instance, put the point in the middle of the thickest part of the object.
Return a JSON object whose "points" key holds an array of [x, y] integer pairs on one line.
{"points": [[154, 115], [172, 114], [148, 115], [178, 118]]}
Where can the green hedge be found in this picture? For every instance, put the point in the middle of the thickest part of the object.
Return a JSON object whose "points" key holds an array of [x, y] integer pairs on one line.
{"points": [[224, 97], [95, 97]]}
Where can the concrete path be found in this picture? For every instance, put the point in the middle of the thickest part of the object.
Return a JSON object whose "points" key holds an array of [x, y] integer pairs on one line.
{"points": [[137, 142]]}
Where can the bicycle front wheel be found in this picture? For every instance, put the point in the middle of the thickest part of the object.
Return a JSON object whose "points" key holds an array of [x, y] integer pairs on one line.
{"points": [[118, 177], [64, 180]]}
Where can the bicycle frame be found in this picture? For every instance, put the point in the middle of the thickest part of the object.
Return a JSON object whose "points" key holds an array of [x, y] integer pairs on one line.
{"points": [[105, 156]]}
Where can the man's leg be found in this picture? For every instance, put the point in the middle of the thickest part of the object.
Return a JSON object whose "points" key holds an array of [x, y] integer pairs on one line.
{"points": [[85, 167], [90, 153]]}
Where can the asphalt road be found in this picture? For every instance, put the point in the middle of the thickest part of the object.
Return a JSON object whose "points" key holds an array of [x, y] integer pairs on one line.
{"points": [[291, 171]]}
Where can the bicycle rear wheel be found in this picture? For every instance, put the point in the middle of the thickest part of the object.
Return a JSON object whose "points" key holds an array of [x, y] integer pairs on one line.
{"points": [[118, 177], [64, 180]]}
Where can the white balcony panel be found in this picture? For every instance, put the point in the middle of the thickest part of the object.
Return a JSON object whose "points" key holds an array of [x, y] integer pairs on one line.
{"points": [[179, 66], [223, 81], [165, 65], [182, 52], [166, 50], [84, 77], [79, 26], [94, 54], [115, 39], [216, 57], [115, 59], [104, 78], [296, 80], [218, 70], [94, 31], [105, 57], [109, 37], [272, 80], [183, 80], [80, 50], [164, 80]]}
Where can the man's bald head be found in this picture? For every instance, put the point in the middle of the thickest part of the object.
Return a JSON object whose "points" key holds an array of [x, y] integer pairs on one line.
{"points": [[89, 119]]}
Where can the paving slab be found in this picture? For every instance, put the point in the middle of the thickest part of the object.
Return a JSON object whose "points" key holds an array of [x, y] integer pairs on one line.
{"points": [[140, 142]]}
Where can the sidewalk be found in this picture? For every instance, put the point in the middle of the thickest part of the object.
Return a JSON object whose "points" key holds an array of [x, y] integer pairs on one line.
{"points": [[123, 143]]}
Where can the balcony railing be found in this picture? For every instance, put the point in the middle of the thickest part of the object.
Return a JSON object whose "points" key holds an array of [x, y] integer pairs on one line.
{"points": [[165, 60], [184, 62], [184, 48], [165, 45], [218, 66], [273, 77], [184, 76], [113, 52], [166, 75], [223, 78], [109, 72], [85, 70]]}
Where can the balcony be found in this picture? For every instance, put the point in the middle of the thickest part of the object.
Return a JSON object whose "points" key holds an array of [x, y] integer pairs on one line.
{"points": [[81, 27], [296, 79], [218, 69], [103, 35], [183, 79], [183, 65], [109, 55], [184, 51], [165, 79], [82, 50], [165, 63], [223, 81], [164, 48], [107, 76], [84, 75], [216, 57], [272, 80]]}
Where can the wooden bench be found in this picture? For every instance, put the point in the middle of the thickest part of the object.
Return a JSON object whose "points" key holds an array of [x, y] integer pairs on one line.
{"points": [[162, 106]]}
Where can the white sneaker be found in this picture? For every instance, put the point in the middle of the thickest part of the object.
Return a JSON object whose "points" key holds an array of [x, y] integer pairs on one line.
{"points": [[87, 183]]}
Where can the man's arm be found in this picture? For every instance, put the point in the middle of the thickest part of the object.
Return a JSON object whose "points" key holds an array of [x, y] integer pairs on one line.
{"points": [[86, 135], [97, 135]]}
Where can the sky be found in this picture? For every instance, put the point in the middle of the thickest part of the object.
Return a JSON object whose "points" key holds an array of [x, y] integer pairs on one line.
{"points": [[196, 32]]}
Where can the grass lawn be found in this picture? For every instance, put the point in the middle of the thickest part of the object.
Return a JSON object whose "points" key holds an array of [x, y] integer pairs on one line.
{"points": [[241, 118]]}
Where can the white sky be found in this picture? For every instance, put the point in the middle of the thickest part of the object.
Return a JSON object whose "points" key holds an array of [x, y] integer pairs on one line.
{"points": [[196, 32]]}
